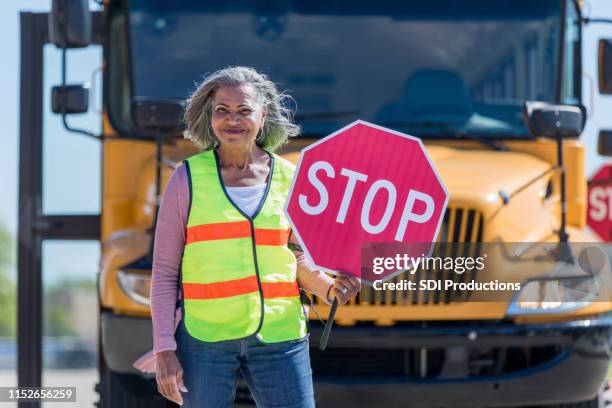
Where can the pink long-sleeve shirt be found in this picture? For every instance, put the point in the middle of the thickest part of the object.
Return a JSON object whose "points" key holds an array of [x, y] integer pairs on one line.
{"points": [[170, 234]]}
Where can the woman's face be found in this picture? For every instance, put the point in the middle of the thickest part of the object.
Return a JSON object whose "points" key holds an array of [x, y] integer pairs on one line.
{"points": [[237, 115]]}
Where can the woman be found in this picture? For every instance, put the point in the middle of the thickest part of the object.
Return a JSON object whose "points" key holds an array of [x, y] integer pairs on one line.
{"points": [[221, 224]]}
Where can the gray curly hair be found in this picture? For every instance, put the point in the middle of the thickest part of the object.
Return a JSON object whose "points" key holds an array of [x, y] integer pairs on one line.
{"points": [[278, 126]]}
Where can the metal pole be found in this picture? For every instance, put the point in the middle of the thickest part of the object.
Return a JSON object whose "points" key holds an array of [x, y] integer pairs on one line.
{"points": [[29, 279]]}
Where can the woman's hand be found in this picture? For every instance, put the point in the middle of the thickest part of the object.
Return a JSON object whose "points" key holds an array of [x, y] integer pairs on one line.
{"points": [[344, 288], [169, 376]]}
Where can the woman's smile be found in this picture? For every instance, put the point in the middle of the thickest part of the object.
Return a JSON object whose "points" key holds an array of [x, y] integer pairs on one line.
{"points": [[234, 131]]}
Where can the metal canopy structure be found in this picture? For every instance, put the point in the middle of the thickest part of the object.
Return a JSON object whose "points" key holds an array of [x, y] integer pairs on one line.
{"points": [[34, 225]]}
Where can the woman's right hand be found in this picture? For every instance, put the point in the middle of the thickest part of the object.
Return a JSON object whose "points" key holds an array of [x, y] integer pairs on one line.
{"points": [[169, 376]]}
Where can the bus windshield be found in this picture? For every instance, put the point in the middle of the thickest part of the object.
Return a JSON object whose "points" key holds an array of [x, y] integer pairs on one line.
{"points": [[429, 68]]}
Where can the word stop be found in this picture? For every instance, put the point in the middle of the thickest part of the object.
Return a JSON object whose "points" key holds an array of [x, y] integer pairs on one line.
{"points": [[353, 178]]}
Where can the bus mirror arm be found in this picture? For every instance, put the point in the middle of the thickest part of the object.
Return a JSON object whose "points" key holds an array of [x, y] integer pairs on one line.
{"points": [[556, 122], [67, 99], [163, 118], [70, 27]]}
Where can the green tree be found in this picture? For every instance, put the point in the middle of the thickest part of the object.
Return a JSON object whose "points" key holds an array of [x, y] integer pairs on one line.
{"points": [[8, 289]]}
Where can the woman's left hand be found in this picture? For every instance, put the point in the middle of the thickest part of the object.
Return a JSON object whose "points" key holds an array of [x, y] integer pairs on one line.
{"points": [[344, 288]]}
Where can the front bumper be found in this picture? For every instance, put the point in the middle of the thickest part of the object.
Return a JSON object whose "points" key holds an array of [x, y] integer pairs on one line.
{"points": [[446, 365], [124, 340], [466, 365]]}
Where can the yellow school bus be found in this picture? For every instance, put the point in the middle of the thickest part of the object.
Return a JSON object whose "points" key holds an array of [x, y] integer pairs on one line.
{"points": [[457, 75]]}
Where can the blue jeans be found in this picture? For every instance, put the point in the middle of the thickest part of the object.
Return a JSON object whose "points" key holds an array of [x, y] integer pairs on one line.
{"points": [[278, 374]]}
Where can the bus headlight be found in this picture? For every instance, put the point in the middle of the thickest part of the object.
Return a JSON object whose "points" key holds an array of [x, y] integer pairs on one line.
{"points": [[545, 295], [137, 286]]}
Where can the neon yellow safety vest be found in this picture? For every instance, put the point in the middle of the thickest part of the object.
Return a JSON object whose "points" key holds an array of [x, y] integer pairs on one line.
{"points": [[238, 276]]}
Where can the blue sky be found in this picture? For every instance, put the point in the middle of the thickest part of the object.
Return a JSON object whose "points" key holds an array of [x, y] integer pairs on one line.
{"points": [[72, 162]]}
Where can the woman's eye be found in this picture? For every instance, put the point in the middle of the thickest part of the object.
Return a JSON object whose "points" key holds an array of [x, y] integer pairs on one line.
{"points": [[220, 109], [246, 111]]}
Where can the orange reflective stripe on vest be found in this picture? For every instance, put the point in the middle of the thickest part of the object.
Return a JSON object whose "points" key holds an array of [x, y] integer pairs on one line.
{"points": [[237, 229], [239, 287]]}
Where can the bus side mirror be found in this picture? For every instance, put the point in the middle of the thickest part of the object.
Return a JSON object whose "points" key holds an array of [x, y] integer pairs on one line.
{"points": [[158, 114], [70, 23], [604, 143], [605, 66], [70, 99], [548, 120]]}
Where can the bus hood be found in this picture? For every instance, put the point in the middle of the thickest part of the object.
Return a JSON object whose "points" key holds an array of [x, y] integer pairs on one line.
{"points": [[483, 177]]}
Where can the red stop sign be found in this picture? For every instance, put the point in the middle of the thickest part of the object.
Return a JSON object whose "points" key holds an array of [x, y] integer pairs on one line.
{"points": [[599, 216], [363, 184]]}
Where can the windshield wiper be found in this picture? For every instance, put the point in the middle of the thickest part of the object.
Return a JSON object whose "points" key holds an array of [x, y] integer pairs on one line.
{"points": [[447, 130], [500, 147]]}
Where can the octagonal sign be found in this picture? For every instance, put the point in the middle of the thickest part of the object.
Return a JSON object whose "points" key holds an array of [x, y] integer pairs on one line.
{"points": [[599, 215], [360, 186]]}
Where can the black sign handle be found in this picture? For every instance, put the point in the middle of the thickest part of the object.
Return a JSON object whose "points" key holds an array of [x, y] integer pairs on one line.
{"points": [[328, 325]]}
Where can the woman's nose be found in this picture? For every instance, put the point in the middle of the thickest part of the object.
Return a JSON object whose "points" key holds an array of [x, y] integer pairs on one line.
{"points": [[234, 117]]}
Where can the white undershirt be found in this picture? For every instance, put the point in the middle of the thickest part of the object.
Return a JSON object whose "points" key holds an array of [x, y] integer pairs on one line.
{"points": [[247, 198]]}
